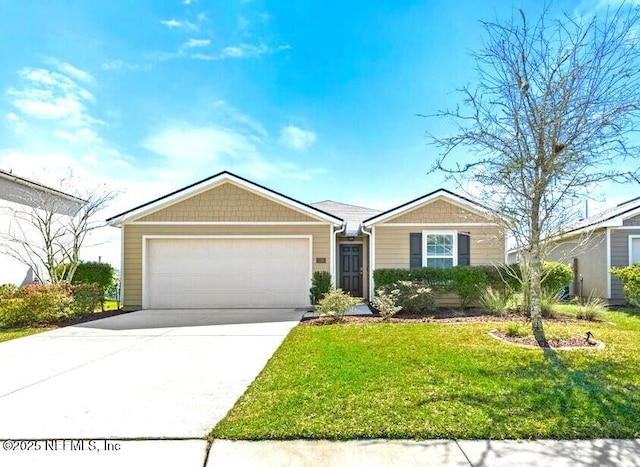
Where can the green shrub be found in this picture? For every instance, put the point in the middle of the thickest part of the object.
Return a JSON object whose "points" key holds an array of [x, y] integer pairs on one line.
{"points": [[92, 272], [320, 285], [412, 297], [630, 278], [86, 298], [386, 303], [8, 291], [502, 277], [335, 304], [515, 330], [468, 282], [495, 301], [555, 276], [14, 313]]}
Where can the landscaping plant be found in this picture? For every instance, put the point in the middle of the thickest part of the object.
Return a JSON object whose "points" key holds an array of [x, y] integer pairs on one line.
{"points": [[320, 285], [495, 301], [386, 303], [335, 304], [630, 278]]}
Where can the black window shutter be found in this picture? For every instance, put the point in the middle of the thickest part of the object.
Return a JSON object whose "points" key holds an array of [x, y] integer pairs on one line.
{"points": [[415, 250], [464, 249]]}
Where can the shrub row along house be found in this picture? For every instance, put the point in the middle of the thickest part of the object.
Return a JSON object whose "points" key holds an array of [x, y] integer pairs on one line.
{"points": [[228, 242]]}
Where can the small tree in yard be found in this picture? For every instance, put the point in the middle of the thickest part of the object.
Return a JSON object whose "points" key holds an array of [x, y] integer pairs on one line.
{"points": [[45, 237], [550, 116]]}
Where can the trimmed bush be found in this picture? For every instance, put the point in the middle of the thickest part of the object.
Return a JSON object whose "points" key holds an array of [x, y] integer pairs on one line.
{"points": [[468, 282], [92, 272], [630, 278], [335, 304], [86, 298], [320, 286]]}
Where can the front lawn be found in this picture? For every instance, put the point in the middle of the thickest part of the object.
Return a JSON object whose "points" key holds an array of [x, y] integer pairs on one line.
{"points": [[8, 334], [429, 380]]}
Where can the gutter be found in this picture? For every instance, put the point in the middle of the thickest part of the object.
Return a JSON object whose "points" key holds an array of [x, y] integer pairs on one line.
{"points": [[370, 268]]}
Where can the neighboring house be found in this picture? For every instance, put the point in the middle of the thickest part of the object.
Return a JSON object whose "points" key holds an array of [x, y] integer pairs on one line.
{"points": [[18, 191], [594, 245], [228, 242]]}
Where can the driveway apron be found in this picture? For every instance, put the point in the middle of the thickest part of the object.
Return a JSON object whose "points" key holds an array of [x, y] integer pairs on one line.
{"points": [[153, 374]]}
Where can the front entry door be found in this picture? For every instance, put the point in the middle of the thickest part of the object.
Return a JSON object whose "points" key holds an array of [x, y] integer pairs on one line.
{"points": [[351, 269]]}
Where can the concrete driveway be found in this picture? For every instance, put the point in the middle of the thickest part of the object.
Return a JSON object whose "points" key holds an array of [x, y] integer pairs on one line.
{"points": [[148, 374]]}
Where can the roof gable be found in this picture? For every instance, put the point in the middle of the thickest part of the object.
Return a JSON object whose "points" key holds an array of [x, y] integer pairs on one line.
{"points": [[195, 196], [415, 211]]}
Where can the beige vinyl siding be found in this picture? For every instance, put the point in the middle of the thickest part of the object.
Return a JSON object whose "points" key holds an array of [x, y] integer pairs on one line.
{"points": [[440, 212], [620, 258], [133, 247], [392, 249], [392, 244], [591, 252], [635, 220], [227, 203]]}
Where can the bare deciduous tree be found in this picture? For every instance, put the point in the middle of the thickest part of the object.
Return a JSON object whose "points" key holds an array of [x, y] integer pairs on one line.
{"points": [[552, 114], [46, 231]]}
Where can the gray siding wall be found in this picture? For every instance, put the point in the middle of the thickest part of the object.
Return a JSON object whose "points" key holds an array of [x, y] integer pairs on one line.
{"points": [[591, 252], [620, 258]]}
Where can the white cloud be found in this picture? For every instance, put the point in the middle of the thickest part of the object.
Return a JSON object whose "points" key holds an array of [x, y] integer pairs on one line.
{"points": [[254, 126], [193, 43], [50, 95], [175, 24], [296, 138], [209, 149], [241, 51], [121, 65]]}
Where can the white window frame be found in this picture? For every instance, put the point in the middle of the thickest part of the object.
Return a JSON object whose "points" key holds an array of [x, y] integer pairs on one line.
{"points": [[630, 240], [426, 233]]}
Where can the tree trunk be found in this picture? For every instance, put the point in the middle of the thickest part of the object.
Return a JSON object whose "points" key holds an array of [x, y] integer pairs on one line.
{"points": [[535, 276]]}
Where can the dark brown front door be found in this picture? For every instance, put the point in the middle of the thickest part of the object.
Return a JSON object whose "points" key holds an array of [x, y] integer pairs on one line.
{"points": [[351, 269]]}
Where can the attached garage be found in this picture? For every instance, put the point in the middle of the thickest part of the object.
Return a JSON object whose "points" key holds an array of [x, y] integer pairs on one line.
{"points": [[226, 271]]}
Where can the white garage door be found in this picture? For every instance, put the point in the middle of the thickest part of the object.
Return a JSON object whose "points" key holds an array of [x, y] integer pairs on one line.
{"points": [[227, 272]]}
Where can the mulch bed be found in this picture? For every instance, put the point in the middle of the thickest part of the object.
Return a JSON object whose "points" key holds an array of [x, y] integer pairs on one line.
{"points": [[442, 315], [450, 316], [572, 342], [92, 317]]}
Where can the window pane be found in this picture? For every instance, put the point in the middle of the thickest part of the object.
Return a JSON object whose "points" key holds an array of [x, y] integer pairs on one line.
{"points": [[440, 263], [439, 245]]}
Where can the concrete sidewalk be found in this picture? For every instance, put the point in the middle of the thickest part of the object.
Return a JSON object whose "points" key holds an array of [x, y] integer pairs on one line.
{"points": [[370, 453]]}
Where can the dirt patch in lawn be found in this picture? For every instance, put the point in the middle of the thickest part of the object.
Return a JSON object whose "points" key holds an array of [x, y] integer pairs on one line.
{"points": [[577, 341]]}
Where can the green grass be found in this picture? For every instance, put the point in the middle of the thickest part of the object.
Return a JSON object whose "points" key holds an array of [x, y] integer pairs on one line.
{"points": [[110, 305], [423, 381], [8, 334]]}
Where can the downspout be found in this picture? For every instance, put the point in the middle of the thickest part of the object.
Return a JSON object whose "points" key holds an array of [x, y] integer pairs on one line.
{"points": [[335, 252], [370, 265]]}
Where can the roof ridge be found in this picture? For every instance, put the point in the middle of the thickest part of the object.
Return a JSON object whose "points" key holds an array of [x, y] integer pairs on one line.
{"points": [[345, 204]]}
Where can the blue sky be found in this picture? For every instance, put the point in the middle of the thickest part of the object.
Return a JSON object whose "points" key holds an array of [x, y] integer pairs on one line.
{"points": [[316, 99]]}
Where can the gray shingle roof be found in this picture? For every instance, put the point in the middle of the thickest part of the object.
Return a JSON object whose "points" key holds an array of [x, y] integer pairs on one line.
{"points": [[605, 215], [348, 212]]}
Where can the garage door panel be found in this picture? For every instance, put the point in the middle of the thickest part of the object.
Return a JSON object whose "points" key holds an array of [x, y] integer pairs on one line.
{"points": [[227, 272]]}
